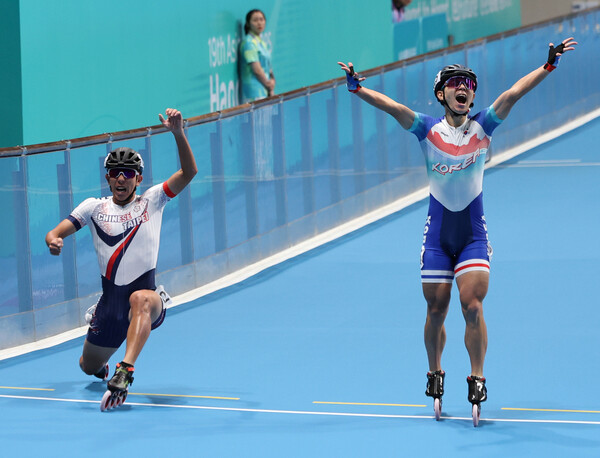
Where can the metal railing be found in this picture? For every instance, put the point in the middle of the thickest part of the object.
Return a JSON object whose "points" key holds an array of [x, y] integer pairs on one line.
{"points": [[271, 174]]}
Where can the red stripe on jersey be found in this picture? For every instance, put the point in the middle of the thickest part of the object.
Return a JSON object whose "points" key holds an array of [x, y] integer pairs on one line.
{"points": [[168, 191], [471, 265], [115, 255], [474, 144]]}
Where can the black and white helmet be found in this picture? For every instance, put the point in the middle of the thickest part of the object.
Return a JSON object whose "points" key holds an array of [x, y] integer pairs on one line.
{"points": [[448, 72], [124, 157]]}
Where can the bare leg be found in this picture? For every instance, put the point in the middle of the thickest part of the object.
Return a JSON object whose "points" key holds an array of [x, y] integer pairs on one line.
{"points": [[146, 307], [473, 287], [437, 296]]}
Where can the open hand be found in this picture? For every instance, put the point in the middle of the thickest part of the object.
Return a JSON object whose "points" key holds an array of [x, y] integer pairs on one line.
{"points": [[568, 43], [353, 79], [349, 69], [554, 53]]}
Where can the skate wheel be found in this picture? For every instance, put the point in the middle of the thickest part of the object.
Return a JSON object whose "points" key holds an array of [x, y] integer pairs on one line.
{"points": [[121, 399], [106, 402], [476, 412], [437, 408]]}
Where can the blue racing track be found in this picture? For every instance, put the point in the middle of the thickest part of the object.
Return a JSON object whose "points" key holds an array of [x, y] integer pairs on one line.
{"points": [[323, 355]]}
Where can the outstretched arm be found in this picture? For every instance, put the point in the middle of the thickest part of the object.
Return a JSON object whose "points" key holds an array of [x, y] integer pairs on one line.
{"points": [[404, 115], [506, 101], [188, 170], [54, 238]]}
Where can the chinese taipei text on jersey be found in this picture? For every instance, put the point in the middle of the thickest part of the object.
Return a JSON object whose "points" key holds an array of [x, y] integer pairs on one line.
{"points": [[455, 240], [126, 239]]}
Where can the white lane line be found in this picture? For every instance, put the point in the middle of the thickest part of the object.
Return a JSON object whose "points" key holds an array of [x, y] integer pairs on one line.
{"points": [[306, 412]]}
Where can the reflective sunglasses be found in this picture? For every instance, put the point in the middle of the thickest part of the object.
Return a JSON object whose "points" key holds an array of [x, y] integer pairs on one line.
{"points": [[456, 81], [127, 173]]}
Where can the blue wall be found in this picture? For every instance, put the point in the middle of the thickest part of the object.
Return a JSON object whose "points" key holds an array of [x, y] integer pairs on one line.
{"points": [[269, 177]]}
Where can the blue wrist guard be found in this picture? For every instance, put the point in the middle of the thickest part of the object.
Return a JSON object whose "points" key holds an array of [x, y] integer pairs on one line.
{"points": [[352, 81]]}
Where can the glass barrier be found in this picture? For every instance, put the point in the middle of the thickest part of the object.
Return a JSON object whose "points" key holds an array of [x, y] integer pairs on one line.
{"points": [[270, 176]]}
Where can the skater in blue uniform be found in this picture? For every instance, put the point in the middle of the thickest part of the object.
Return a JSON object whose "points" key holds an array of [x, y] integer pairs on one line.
{"points": [[126, 234], [455, 240]]}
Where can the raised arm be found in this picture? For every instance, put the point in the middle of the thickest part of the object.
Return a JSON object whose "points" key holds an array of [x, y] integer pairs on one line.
{"points": [[507, 99], [188, 170], [54, 238], [404, 115]]}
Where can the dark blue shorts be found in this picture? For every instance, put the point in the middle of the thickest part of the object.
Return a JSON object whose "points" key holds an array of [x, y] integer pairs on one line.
{"points": [[110, 322], [454, 243]]}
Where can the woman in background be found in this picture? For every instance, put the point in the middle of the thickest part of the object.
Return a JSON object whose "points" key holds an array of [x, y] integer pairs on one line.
{"points": [[398, 7], [256, 74]]}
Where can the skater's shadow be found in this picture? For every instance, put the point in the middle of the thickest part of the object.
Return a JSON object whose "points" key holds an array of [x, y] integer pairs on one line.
{"points": [[123, 408], [466, 423], [160, 400], [100, 387], [483, 423], [96, 387]]}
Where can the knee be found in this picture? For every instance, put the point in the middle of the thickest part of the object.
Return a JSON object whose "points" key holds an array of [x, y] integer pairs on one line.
{"points": [[437, 310], [87, 368], [145, 304], [139, 303], [472, 310]]}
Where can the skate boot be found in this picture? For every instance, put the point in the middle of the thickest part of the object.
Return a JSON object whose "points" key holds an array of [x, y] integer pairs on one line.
{"points": [[477, 395], [118, 387], [435, 389]]}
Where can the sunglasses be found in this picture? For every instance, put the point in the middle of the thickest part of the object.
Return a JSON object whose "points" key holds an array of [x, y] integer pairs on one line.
{"points": [[456, 81], [127, 173]]}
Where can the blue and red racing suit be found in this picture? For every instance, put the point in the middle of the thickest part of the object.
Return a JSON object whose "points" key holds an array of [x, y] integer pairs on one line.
{"points": [[455, 239]]}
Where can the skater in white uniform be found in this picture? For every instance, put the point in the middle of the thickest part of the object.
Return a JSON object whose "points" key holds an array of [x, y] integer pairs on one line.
{"points": [[455, 242], [126, 234]]}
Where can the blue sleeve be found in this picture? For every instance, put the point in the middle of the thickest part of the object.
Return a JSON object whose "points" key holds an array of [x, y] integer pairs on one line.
{"points": [[75, 222], [488, 119], [421, 125]]}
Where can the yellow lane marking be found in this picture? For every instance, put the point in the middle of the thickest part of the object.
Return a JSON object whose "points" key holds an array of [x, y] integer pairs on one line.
{"points": [[368, 404], [551, 410], [301, 412], [25, 388], [185, 396]]}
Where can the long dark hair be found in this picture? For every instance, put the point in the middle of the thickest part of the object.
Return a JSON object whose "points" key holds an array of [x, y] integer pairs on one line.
{"points": [[248, 16]]}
